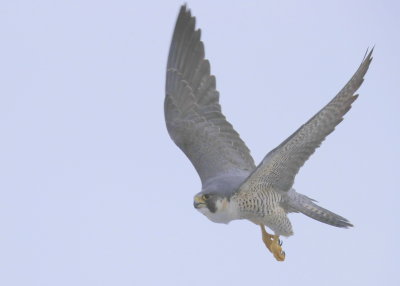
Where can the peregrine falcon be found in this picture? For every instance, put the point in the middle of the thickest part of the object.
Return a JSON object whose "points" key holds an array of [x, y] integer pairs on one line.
{"points": [[232, 186]]}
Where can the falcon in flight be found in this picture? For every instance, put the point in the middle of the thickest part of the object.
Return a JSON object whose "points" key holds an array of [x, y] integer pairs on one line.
{"points": [[233, 187]]}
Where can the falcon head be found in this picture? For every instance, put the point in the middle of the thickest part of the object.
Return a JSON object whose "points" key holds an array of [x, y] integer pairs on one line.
{"points": [[216, 207], [216, 200]]}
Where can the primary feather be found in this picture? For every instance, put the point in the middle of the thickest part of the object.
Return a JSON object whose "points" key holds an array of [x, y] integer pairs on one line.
{"points": [[192, 111], [281, 165]]}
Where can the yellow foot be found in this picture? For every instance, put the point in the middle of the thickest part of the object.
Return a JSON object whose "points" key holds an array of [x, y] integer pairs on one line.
{"points": [[273, 244]]}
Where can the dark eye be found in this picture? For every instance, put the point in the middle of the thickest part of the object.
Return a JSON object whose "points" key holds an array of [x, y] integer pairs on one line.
{"points": [[206, 197]]}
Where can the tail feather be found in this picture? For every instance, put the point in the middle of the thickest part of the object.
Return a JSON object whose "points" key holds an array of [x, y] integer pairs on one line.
{"points": [[301, 203]]}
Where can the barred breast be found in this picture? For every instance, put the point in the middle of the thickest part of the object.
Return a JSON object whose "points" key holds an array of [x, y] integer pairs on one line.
{"points": [[263, 207]]}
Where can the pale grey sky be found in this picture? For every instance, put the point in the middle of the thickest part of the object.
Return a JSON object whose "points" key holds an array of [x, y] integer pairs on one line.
{"points": [[94, 192]]}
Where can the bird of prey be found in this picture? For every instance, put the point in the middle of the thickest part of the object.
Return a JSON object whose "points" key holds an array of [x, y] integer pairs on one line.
{"points": [[232, 186]]}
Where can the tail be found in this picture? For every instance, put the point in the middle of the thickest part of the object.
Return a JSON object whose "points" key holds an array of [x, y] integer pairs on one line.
{"points": [[301, 203]]}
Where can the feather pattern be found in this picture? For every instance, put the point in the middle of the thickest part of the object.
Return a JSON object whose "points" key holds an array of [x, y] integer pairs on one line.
{"points": [[192, 110], [280, 166]]}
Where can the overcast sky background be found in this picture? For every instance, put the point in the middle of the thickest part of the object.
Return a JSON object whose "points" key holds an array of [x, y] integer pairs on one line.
{"points": [[94, 192]]}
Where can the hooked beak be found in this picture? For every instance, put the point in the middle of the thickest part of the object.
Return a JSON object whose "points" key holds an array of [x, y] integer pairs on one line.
{"points": [[198, 202]]}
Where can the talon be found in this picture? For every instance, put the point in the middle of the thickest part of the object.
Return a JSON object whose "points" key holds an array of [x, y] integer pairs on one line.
{"points": [[274, 244]]}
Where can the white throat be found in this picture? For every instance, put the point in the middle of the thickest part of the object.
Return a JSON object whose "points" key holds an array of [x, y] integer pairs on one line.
{"points": [[226, 211]]}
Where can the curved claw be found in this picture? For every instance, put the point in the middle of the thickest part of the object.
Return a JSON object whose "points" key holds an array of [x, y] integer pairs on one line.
{"points": [[273, 243]]}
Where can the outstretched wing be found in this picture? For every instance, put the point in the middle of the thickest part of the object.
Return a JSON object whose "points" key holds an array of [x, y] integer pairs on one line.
{"points": [[192, 111], [279, 168]]}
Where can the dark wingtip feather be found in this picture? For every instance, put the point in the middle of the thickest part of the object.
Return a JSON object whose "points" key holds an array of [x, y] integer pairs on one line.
{"points": [[369, 54], [343, 223], [184, 8]]}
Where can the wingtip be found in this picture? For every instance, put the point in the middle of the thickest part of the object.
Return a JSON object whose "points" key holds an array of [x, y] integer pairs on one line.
{"points": [[346, 224], [185, 15], [367, 59], [185, 10], [368, 54]]}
